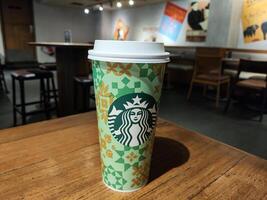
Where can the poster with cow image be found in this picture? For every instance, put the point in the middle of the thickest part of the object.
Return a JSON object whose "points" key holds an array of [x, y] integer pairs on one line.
{"points": [[197, 20], [254, 20]]}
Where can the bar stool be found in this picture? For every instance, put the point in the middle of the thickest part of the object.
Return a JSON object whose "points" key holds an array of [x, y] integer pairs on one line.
{"points": [[50, 67], [45, 79], [85, 83]]}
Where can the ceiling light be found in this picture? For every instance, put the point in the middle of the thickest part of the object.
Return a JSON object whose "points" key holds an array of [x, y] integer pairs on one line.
{"points": [[119, 4], [86, 11], [131, 2], [101, 8]]}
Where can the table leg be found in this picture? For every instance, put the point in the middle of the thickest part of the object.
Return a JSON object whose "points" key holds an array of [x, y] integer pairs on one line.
{"points": [[70, 62]]}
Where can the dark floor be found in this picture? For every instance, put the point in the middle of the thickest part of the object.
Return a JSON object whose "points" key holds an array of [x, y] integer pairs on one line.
{"points": [[238, 128]]}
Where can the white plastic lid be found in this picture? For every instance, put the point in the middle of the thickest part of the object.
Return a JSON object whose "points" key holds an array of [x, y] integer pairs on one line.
{"points": [[128, 52]]}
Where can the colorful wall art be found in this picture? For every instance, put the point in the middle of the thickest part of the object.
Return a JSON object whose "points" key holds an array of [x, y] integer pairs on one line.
{"points": [[197, 20], [172, 21], [121, 30], [254, 20]]}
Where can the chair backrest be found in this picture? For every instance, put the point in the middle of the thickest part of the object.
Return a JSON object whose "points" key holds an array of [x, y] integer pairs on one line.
{"points": [[209, 60], [254, 66]]}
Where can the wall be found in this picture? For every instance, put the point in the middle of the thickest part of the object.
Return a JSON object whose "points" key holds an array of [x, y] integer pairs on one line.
{"points": [[138, 18], [234, 29], [150, 16], [224, 25], [51, 21], [219, 23], [103, 26]]}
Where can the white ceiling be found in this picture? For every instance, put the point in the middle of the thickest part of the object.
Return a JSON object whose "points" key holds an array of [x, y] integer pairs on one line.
{"points": [[89, 3]]}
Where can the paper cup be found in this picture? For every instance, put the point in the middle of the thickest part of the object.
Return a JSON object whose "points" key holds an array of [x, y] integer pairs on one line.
{"points": [[128, 79]]}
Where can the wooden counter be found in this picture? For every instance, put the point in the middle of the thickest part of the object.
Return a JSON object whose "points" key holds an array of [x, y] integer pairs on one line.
{"points": [[71, 60], [257, 51], [59, 159]]}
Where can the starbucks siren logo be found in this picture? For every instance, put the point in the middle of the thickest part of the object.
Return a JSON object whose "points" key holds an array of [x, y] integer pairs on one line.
{"points": [[132, 118]]}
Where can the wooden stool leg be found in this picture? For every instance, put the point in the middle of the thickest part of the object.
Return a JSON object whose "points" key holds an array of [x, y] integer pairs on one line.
{"points": [[89, 97], [46, 98], [75, 95], [41, 95], [85, 98], [263, 105], [1, 81], [55, 94], [48, 90], [228, 90], [22, 100], [5, 85], [190, 90], [229, 100], [14, 101], [205, 90], [218, 95], [228, 103]]}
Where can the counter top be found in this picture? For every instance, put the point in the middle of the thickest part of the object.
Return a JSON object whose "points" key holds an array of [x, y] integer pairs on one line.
{"points": [[61, 44], [240, 50], [59, 159]]}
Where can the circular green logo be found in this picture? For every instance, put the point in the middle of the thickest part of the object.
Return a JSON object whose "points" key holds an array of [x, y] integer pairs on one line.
{"points": [[132, 118]]}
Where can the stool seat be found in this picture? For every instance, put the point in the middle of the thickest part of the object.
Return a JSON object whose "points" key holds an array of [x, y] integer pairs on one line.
{"points": [[23, 74], [41, 73], [31, 74], [85, 83], [84, 79], [48, 66]]}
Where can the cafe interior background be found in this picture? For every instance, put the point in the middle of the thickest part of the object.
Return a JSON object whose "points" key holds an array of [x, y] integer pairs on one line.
{"points": [[238, 26]]}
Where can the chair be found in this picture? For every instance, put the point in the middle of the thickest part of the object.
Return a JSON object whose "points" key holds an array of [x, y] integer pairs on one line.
{"points": [[85, 83], [3, 85], [45, 79], [208, 71], [258, 85], [180, 68]]}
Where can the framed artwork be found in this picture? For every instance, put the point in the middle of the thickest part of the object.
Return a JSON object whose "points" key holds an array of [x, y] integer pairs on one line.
{"points": [[254, 20], [172, 21], [121, 30], [197, 21]]}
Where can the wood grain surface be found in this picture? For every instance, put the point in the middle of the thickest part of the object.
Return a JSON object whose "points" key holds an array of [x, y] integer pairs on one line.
{"points": [[59, 159]]}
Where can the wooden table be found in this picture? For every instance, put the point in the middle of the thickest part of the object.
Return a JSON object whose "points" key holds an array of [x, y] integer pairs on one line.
{"points": [[59, 159], [231, 63], [71, 60]]}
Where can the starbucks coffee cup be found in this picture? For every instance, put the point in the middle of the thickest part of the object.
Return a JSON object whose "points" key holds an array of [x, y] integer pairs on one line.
{"points": [[128, 78]]}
